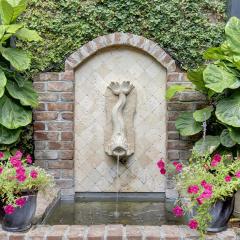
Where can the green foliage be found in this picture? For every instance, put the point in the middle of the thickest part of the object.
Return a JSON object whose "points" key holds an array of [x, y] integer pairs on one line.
{"points": [[207, 145], [16, 93], [183, 28], [220, 82], [199, 169]]}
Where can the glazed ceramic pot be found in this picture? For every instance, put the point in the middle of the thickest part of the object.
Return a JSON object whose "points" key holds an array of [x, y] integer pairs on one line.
{"points": [[21, 219]]}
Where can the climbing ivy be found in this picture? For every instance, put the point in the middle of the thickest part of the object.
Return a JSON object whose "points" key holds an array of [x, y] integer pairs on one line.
{"points": [[184, 28]]}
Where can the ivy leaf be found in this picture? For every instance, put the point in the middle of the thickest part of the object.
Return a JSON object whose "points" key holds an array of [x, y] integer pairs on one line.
{"points": [[217, 79], [13, 115], [186, 124], [9, 136], [172, 90], [203, 114], [228, 110], [28, 35], [226, 140], [19, 59], [196, 77], [3, 81], [26, 93], [209, 145], [6, 12]]}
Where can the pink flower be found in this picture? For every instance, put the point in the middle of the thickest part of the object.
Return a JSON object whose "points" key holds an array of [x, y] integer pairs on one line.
{"points": [[34, 174], [21, 177], [20, 171], [217, 157], [18, 155], [203, 183], [206, 194], [206, 185], [177, 211], [175, 163], [193, 224], [199, 200], [29, 159], [1, 170], [1, 154], [179, 167], [193, 189], [15, 162], [214, 163], [161, 164], [21, 201], [163, 171], [228, 178], [237, 174], [9, 209]]}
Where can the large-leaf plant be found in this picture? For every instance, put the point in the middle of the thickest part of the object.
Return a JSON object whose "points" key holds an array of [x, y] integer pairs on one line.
{"points": [[219, 81], [17, 95]]}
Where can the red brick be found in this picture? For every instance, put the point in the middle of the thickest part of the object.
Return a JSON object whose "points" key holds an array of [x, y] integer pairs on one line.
{"points": [[38, 233], [51, 136], [16, 236], [170, 232], [66, 136], [40, 107], [171, 126], [60, 164], [60, 145], [60, 126], [41, 163], [179, 106], [115, 232], [57, 232], [133, 233], [152, 233], [66, 155], [49, 76], [68, 183], [67, 75], [46, 154], [56, 173], [3, 235], [44, 116], [60, 106], [66, 97], [67, 174], [96, 232], [67, 116], [38, 126], [174, 77], [173, 136], [39, 86], [48, 97], [60, 86], [76, 232]]}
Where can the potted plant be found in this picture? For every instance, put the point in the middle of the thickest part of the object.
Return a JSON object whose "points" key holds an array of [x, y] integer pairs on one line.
{"points": [[206, 188], [20, 182]]}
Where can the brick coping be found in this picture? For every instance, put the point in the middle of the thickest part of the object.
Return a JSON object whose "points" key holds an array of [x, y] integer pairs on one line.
{"points": [[114, 232]]}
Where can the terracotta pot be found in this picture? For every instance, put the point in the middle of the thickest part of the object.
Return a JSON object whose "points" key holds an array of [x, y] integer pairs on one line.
{"points": [[21, 219]]}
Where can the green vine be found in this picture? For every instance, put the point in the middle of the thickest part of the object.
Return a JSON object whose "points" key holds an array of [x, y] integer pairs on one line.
{"points": [[184, 28]]}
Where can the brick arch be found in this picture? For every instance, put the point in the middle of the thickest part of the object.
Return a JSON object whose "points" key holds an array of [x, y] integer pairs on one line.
{"points": [[118, 39]]}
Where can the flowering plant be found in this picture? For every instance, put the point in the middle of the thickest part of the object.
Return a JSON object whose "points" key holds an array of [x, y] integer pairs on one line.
{"points": [[19, 178], [204, 181]]}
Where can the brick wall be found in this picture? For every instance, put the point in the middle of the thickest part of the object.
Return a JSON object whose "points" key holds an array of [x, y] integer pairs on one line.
{"points": [[53, 119]]}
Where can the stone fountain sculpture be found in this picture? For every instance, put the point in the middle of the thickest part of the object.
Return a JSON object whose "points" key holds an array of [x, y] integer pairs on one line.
{"points": [[120, 111]]}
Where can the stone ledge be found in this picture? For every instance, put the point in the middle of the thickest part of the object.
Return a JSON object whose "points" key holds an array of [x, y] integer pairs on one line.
{"points": [[95, 232]]}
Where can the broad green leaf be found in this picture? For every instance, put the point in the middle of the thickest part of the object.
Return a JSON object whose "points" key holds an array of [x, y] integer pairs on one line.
{"points": [[203, 114], [20, 80], [217, 79], [209, 145], [232, 32], [3, 81], [196, 77], [13, 115], [28, 35], [215, 53], [26, 94], [234, 134], [6, 12], [13, 28], [19, 7], [5, 37], [226, 139], [2, 31], [172, 90], [19, 59], [228, 110], [186, 124], [9, 136]]}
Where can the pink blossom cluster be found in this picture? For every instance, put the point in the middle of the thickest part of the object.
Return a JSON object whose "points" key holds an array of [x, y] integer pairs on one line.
{"points": [[177, 211], [161, 166], [1, 155], [178, 166]]}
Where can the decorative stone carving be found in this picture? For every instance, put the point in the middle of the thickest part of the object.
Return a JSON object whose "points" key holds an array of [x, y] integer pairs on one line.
{"points": [[120, 110]]}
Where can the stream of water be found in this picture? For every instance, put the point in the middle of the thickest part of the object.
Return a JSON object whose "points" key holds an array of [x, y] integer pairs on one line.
{"points": [[116, 213]]}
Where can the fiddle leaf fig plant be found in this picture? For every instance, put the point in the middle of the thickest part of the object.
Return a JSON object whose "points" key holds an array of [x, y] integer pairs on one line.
{"points": [[219, 81], [17, 95]]}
